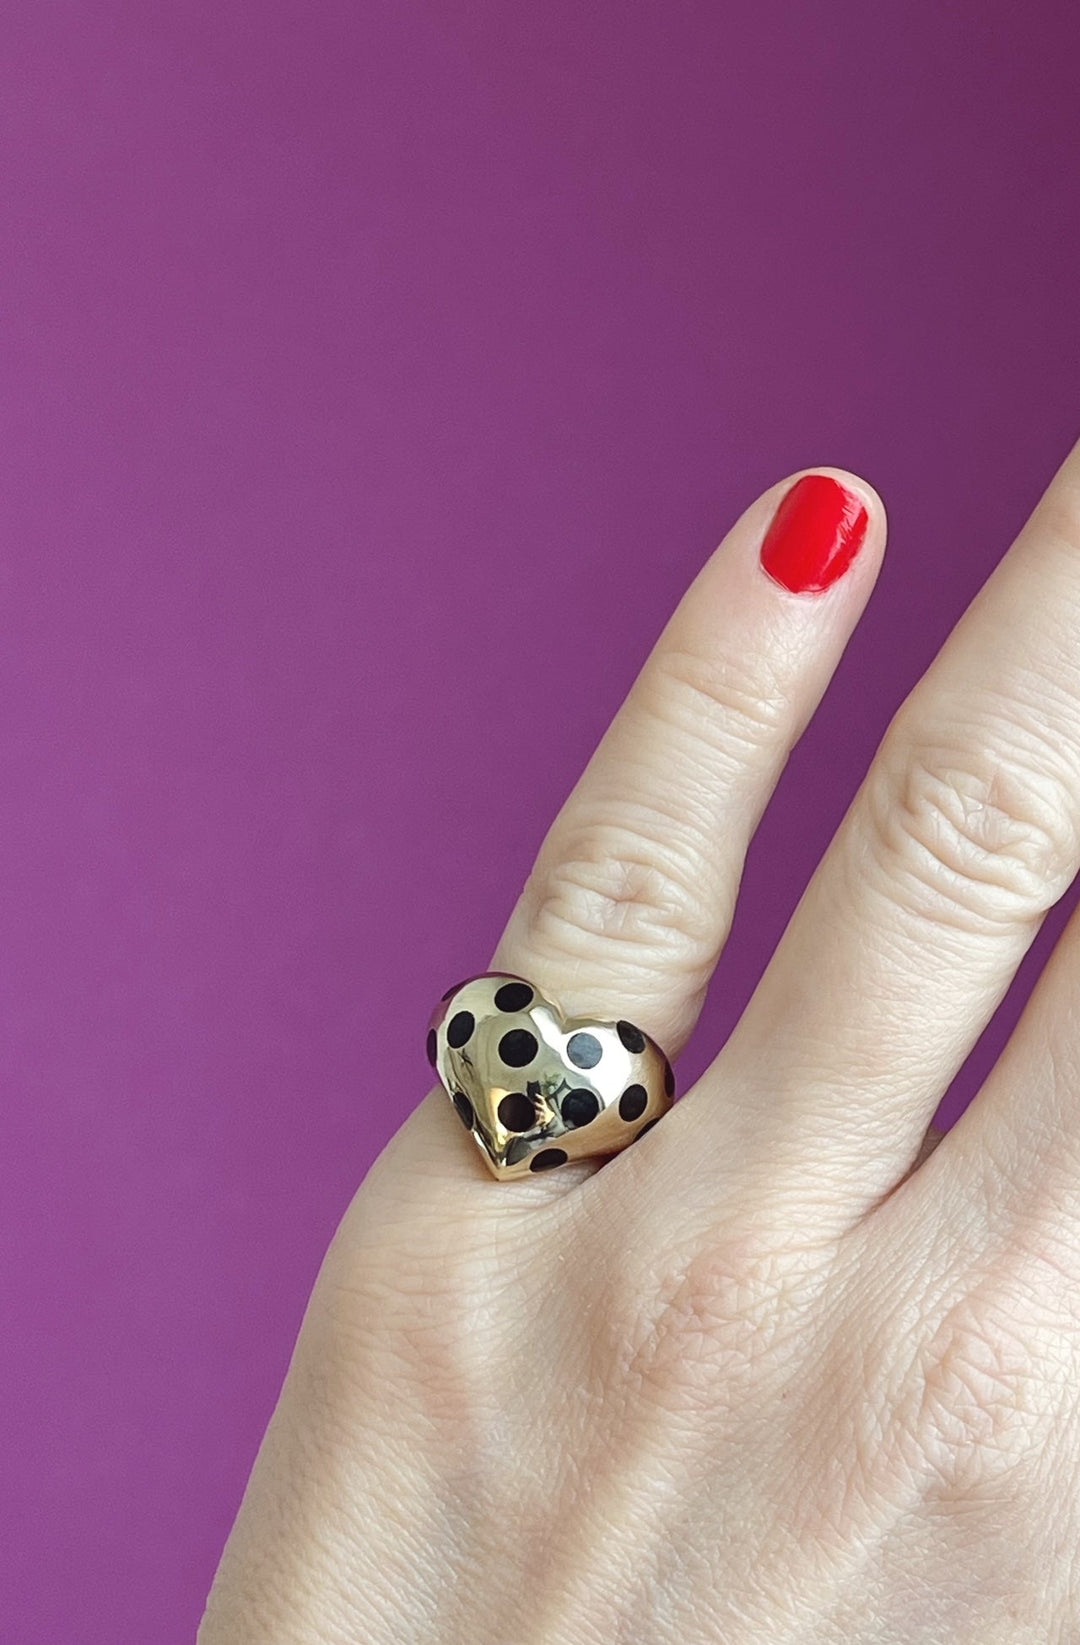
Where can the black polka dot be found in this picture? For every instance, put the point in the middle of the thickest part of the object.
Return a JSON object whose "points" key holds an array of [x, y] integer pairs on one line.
{"points": [[580, 1106], [584, 1050], [432, 1046], [450, 992], [517, 1112], [461, 1026], [547, 1159], [669, 1079], [465, 1109], [514, 996], [632, 1037], [633, 1102], [518, 1047], [647, 1127]]}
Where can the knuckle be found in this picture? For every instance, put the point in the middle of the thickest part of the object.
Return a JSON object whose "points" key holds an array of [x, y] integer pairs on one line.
{"points": [[397, 1318], [645, 875], [700, 1328], [733, 705], [987, 1383], [631, 887], [971, 1394], [975, 831]]}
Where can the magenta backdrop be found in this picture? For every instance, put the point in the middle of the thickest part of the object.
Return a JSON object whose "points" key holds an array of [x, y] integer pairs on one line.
{"points": [[374, 378]]}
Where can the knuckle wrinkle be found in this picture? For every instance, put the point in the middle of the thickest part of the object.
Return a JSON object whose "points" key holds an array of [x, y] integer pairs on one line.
{"points": [[979, 838]]}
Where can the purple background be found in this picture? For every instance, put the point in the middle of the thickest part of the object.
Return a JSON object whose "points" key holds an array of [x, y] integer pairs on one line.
{"points": [[374, 378]]}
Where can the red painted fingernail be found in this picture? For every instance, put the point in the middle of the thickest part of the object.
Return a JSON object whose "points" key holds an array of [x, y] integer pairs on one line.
{"points": [[815, 534]]}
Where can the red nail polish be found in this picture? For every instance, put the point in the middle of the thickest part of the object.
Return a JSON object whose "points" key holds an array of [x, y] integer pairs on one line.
{"points": [[815, 534]]}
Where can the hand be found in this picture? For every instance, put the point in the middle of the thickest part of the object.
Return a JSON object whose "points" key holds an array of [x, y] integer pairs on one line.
{"points": [[781, 1370]]}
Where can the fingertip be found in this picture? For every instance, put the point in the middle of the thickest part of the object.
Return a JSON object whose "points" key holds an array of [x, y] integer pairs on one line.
{"points": [[869, 496], [825, 520]]}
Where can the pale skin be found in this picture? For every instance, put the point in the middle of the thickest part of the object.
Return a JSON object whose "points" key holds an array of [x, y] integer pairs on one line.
{"points": [[791, 1368]]}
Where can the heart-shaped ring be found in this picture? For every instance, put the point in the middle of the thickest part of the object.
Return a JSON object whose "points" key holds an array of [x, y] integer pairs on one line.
{"points": [[535, 1088]]}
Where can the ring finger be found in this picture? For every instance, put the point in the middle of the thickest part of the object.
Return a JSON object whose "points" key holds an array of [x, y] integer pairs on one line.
{"points": [[632, 893]]}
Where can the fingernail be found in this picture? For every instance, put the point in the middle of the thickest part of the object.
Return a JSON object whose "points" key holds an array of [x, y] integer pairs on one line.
{"points": [[815, 534]]}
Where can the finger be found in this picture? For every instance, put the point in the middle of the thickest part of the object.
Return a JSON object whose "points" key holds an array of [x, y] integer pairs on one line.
{"points": [[631, 896], [964, 833], [1013, 1156], [633, 890]]}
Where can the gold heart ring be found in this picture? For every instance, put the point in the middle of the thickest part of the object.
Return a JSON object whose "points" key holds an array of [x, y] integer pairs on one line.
{"points": [[535, 1088]]}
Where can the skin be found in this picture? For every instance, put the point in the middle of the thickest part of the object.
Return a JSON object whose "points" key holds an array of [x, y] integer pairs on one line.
{"points": [[817, 1379]]}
